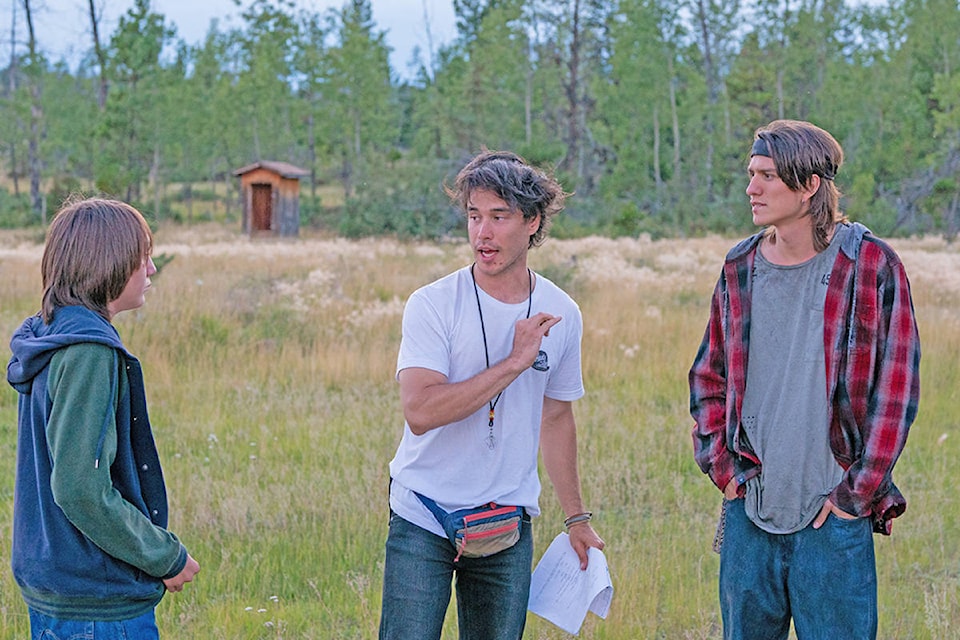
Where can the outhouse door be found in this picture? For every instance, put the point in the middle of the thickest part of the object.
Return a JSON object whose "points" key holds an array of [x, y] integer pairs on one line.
{"points": [[262, 214]]}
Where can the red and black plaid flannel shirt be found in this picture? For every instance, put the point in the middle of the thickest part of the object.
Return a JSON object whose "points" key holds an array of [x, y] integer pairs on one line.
{"points": [[872, 350]]}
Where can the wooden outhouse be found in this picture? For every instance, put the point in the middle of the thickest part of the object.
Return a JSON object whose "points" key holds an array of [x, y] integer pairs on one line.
{"points": [[271, 197]]}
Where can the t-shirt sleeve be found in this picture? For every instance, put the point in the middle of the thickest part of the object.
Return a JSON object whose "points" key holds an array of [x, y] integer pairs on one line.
{"points": [[425, 342], [566, 381]]}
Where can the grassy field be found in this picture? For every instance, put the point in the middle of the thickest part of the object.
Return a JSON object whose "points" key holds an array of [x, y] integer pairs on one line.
{"points": [[269, 368]]}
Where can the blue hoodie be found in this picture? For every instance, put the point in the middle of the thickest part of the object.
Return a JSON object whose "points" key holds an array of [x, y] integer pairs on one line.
{"points": [[90, 506]]}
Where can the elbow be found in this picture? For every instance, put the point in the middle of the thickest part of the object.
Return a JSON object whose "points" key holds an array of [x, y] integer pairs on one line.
{"points": [[74, 504], [417, 430], [417, 421]]}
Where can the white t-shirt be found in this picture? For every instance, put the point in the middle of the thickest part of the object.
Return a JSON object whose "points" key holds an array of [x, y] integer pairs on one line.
{"points": [[453, 464]]}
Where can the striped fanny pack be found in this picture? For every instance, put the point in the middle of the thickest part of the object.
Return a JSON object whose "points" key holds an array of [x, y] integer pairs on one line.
{"points": [[481, 531]]}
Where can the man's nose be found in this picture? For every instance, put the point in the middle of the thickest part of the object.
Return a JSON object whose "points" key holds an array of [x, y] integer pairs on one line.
{"points": [[484, 228]]}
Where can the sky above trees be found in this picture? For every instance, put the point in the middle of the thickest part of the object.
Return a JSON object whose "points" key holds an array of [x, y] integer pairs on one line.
{"points": [[62, 26]]}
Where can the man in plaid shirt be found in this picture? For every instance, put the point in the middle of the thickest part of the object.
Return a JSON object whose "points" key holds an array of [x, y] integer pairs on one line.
{"points": [[803, 441]]}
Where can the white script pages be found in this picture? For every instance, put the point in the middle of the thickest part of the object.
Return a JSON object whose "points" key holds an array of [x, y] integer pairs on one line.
{"points": [[561, 593]]}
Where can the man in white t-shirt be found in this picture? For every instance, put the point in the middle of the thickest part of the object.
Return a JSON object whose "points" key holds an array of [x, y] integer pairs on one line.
{"points": [[489, 367]]}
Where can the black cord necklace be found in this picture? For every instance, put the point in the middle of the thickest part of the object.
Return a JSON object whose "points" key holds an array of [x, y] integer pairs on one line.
{"points": [[491, 441]]}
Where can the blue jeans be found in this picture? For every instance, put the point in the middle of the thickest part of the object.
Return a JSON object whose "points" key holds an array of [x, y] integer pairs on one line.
{"points": [[492, 592], [44, 627], [826, 579]]}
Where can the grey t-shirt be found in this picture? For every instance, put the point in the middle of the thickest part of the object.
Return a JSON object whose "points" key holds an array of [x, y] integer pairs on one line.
{"points": [[785, 406]]}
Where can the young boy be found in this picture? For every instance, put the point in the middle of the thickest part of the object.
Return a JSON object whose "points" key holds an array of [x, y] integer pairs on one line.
{"points": [[91, 552]]}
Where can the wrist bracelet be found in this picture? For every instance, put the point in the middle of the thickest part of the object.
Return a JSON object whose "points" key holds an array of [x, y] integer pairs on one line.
{"points": [[586, 516]]}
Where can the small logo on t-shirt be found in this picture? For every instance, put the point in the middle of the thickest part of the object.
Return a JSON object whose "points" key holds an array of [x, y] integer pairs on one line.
{"points": [[541, 364]]}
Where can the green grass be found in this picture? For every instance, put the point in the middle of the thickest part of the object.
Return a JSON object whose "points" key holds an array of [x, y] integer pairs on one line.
{"points": [[270, 375]]}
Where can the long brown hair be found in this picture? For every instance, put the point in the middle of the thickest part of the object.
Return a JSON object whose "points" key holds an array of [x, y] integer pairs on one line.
{"points": [[93, 247], [799, 151]]}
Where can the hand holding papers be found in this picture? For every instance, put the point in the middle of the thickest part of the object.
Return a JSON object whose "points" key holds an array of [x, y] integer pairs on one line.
{"points": [[561, 593]]}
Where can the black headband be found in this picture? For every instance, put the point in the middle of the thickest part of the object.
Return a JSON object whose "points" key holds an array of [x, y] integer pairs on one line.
{"points": [[760, 148]]}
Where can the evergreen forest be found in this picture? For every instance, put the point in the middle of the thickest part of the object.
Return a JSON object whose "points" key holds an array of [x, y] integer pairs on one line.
{"points": [[644, 108]]}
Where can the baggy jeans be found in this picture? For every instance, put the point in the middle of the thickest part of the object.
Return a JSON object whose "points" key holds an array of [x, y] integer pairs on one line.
{"points": [[825, 579]]}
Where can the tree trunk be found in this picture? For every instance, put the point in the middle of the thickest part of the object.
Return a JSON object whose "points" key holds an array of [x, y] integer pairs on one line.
{"points": [[573, 159], [528, 96], [657, 177], [155, 178], [12, 77], [357, 148], [100, 55], [674, 119], [710, 74], [312, 150], [36, 115]]}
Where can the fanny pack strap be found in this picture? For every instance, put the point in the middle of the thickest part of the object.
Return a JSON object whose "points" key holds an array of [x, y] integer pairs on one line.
{"points": [[434, 508]]}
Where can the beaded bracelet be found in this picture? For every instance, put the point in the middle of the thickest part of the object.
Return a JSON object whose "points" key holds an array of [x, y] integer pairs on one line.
{"points": [[586, 516]]}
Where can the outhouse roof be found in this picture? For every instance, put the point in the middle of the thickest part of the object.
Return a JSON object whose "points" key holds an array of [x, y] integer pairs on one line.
{"points": [[284, 169]]}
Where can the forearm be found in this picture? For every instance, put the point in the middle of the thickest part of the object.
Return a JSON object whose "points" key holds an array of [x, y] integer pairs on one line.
{"points": [[708, 406], [430, 401], [558, 446], [88, 498], [891, 380], [119, 528], [82, 382]]}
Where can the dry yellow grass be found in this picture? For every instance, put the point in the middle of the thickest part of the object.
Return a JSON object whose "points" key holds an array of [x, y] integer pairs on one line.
{"points": [[270, 367]]}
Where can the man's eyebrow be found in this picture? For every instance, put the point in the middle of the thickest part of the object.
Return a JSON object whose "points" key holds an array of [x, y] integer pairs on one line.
{"points": [[473, 207]]}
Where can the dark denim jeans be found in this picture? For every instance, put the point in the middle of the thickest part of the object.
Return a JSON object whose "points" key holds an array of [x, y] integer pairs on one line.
{"points": [[46, 628], [492, 592], [825, 579]]}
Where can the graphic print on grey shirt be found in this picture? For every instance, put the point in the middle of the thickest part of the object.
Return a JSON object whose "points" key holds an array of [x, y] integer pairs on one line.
{"points": [[785, 406]]}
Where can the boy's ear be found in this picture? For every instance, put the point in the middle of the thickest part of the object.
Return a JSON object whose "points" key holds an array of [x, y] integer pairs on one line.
{"points": [[812, 187]]}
